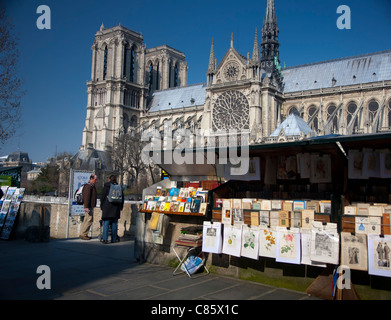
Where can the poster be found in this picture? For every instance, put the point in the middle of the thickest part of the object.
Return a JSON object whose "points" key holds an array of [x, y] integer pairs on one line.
{"points": [[9, 210], [212, 237], [79, 178]]}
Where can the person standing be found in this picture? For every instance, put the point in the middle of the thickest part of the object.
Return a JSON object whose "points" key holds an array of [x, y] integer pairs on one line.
{"points": [[89, 195], [111, 211]]}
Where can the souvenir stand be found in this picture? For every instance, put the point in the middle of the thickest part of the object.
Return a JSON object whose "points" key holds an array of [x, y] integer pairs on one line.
{"points": [[292, 211]]}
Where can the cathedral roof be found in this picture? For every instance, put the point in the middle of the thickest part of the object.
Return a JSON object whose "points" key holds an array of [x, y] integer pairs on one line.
{"points": [[179, 97], [294, 125], [366, 68]]}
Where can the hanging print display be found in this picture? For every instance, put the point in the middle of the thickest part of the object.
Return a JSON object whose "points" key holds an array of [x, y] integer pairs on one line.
{"points": [[211, 237], [379, 250], [288, 245], [232, 240], [250, 242]]}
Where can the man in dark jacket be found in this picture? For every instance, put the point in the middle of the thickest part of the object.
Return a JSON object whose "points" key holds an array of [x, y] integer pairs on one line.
{"points": [[111, 211], [89, 196]]}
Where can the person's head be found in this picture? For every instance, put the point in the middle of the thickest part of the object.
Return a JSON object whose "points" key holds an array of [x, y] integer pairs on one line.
{"points": [[93, 178], [113, 178]]}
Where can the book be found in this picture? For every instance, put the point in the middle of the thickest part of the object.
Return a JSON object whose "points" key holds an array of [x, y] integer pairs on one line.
{"points": [[386, 223], [325, 206], [350, 210], [312, 205], [264, 220], [274, 221], [296, 221], [195, 205], [287, 205], [254, 218], [276, 205], [307, 216], [181, 207], [363, 209], [266, 205], [283, 218], [203, 208], [376, 211], [298, 205]]}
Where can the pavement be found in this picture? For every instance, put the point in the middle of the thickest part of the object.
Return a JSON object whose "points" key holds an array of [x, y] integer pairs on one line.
{"points": [[75, 269]]}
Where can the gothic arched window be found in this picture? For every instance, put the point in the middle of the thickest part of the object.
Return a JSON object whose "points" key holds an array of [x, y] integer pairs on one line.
{"points": [[293, 110], [150, 79], [351, 109], [315, 122], [176, 76], [125, 122], [131, 67], [389, 116], [373, 106], [133, 121], [105, 63], [334, 125], [157, 76]]}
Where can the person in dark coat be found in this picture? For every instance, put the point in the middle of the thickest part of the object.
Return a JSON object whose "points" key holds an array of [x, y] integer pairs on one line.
{"points": [[111, 212]]}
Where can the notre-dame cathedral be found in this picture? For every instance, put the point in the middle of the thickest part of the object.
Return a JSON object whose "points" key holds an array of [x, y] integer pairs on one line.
{"points": [[133, 87]]}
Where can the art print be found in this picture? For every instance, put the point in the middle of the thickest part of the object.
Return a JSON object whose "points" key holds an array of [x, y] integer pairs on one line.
{"points": [[354, 251], [287, 167], [288, 246], [355, 164], [371, 164], [306, 249], [379, 249], [324, 245], [320, 169], [212, 237], [232, 240], [250, 243], [267, 242], [385, 163]]}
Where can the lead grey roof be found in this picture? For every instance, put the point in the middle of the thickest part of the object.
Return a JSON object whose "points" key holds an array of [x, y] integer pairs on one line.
{"points": [[180, 97], [346, 71]]}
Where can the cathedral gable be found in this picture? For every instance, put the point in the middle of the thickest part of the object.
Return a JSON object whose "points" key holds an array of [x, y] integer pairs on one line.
{"points": [[231, 68]]}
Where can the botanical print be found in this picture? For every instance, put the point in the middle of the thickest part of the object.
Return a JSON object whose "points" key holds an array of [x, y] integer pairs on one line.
{"points": [[267, 242], [354, 251], [232, 240], [379, 253], [288, 246], [250, 243]]}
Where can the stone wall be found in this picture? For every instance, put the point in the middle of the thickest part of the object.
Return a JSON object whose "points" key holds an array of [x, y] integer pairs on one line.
{"points": [[42, 219]]}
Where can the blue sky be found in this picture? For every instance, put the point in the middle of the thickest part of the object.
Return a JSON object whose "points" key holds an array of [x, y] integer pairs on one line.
{"points": [[55, 64]]}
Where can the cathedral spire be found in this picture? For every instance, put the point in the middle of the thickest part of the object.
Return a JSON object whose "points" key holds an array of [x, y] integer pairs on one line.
{"points": [[255, 56], [269, 45], [212, 60]]}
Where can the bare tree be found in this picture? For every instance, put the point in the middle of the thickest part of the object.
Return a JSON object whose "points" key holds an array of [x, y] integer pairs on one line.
{"points": [[127, 158], [10, 84]]}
